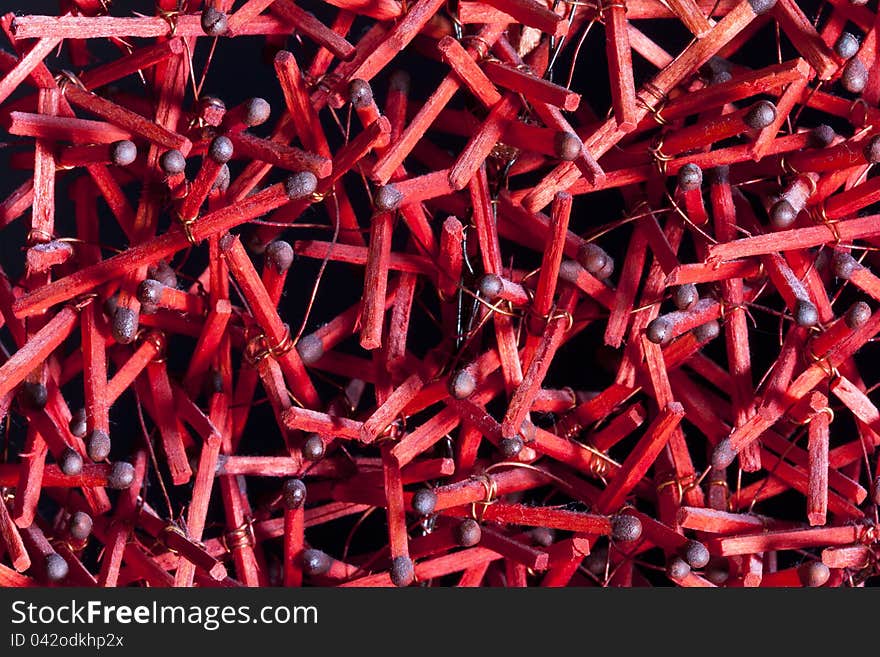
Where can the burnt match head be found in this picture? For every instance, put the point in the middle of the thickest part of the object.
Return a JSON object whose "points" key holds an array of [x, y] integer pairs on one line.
{"points": [[80, 525], [813, 573], [659, 331], [98, 445], [256, 112], [423, 501], [858, 314], [125, 325], [760, 115], [56, 567], [782, 214], [822, 135], [677, 568], [468, 533], [805, 313], [854, 76], [121, 475], [707, 332], [402, 572], [313, 448], [567, 146], [594, 259], [315, 562], [220, 149], [625, 528], [150, 291], [123, 153], [300, 185], [293, 494], [310, 349], [843, 265], [695, 554], [70, 462], [360, 93], [387, 198], [685, 296], [462, 384], [510, 447], [690, 177], [33, 395], [761, 6], [172, 162], [279, 254], [214, 22], [78, 425], [846, 46]]}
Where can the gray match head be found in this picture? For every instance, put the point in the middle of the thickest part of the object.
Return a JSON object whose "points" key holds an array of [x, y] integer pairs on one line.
{"points": [[121, 475], [567, 146], [402, 572], [761, 6], [56, 567], [214, 22], [462, 384], [80, 525], [70, 462], [857, 315], [854, 76], [423, 501], [490, 286], [510, 447], [123, 153], [659, 331], [78, 425], [125, 325], [625, 528], [33, 395], [98, 445], [313, 448], [813, 573], [387, 198], [690, 177], [685, 296], [279, 254], [468, 533], [723, 454], [677, 568], [172, 162], [717, 571], [843, 265], [300, 185], [310, 349], [256, 112], [846, 46], [707, 332], [220, 149], [164, 273], [360, 93], [221, 182], [542, 536], [805, 313], [315, 562], [822, 135], [594, 259], [719, 175], [293, 493], [760, 115], [399, 82], [782, 214], [695, 554], [150, 291], [872, 150]]}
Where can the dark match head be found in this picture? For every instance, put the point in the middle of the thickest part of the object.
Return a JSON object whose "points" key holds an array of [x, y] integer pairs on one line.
{"points": [[723, 454], [659, 331], [490, 286], [221, 182], [313, 448], [220, 149], [846, 46], [875, 491], [310, 349], [843, 265], [872, 150], [625, 528], [80, 525], [387, 198], [594, 259], [315, 562], [279, 254], [70, 462], [822, 135], [423, 501], [33, 395], [760, 115], [462, 384], [567, 146], [77, 425], [707, 332], [214, 22], [719, 175], [211, 103], [761, 6], [695, 554], [690, 176], [597, 561], [721, 77], [360, 93], [172, 162], [300, 185], [858, 314], [293, 493], [510, 447], [56, 567], [121, 475], [123, 153], [854, 76], [685, 296], [813, 573], [542, 536], [98, 445], [125, 325], [717, 571], [256, 112], [399, 82], [805, 313], [164, 273], [677, 568], [468, 533], [150, 291], [782, 214], [402, 572]]}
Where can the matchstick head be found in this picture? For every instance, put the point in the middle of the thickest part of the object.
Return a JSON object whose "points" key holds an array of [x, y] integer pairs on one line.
{"points": [[293, 494], [256, 112], [805, 313], [677, 568], [423, 501], [121, 475], [854, 76], [98, 445], [822, 135], [315, 562], [762, 6], [77, 425], [300, 185], [685, 296], [625, 528], [123, 153], [813, 573], [56, 567], [310, 349], [462, 384], [214, 22], [220, 150], [846, 46], [313, 448], [567, 145], [760, 115], [857, 315], [172, 162], [782, 214], [70, 462], [80, 525], [510, 447], [659, 331], [690, 177], [695, 554], [360, 93], [279, 254], [125, 325], [723, 454], [402, 572], [387, 198], [468, 533]]}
